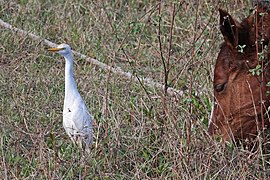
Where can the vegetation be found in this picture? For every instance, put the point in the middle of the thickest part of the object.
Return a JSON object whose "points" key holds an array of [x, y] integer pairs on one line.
{"points": [[140, 132]]}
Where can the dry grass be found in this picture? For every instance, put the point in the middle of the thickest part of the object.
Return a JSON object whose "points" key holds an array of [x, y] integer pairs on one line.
{"points": [[140, 132]]}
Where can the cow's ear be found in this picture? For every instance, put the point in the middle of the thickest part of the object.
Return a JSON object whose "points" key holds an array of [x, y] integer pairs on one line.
{"points": [[229, 28]]}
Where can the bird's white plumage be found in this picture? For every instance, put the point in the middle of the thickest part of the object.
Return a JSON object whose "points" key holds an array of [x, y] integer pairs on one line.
{"points": [[76, 119]]}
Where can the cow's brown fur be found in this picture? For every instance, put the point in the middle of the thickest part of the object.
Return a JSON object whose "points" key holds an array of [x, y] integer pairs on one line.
{"points": [[241, 98]]}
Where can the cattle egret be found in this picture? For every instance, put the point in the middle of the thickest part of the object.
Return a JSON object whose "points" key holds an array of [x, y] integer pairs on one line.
{"points": [[76, 119]]}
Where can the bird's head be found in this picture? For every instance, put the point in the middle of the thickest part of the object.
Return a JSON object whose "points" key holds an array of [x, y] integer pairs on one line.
{"points": [[62, 49]]}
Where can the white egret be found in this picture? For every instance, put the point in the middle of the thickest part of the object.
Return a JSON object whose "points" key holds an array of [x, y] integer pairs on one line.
{"points": [[76, 119]]}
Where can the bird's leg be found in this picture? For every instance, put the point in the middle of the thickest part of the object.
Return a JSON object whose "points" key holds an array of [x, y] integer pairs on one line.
{"points": [[79, 141], [73, 139], [87, 148]]}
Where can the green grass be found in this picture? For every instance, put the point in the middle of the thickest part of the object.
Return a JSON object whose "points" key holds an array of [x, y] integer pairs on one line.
{"points": [[139, 133]]}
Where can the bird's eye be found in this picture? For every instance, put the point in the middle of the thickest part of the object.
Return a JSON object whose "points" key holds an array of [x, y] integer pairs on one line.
{"points": [[220, 87]]}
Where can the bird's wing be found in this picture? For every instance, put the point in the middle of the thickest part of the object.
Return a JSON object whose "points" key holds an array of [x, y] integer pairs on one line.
{"points": [[79, 115]]}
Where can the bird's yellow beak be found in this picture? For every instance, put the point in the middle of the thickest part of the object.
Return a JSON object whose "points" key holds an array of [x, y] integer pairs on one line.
{"points": [[55, 49]]}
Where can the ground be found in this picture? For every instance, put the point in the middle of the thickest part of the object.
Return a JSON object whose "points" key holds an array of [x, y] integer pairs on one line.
{"points": [[141, 132]]}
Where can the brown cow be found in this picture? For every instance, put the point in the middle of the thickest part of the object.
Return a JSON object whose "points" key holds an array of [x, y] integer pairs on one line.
{"points": [[242, 71]]}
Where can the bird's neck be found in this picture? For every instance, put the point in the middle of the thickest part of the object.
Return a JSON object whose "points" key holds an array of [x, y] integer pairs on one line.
{"points": [[70, 84]]}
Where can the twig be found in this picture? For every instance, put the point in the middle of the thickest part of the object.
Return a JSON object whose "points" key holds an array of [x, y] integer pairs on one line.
{"points": [[169, 50], [189, 123], [166, 64], [145, 90], [160, 50], [3, 160], [164, 103], [132, 27], [197, 38]]}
